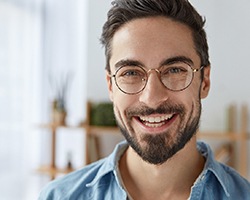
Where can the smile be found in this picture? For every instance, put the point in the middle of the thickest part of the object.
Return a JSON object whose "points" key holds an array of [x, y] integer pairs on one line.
{"points": [[155, 122]]}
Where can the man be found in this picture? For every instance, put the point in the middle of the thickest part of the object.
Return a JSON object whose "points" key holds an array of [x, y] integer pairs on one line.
{"points": [[157, 73]]}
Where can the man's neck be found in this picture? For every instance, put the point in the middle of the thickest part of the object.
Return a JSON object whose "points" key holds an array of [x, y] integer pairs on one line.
{"points": [[171, 180]]}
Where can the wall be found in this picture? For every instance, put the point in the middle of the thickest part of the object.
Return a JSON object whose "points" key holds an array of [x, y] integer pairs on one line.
{"points": [[228, 41], [228, 36], [96, 83]]}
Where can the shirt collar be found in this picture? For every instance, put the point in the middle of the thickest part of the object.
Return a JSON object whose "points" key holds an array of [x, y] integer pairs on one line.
{"points": [[110, 164], [213, 166]]}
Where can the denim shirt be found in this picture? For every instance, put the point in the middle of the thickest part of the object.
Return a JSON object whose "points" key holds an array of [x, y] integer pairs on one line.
{"points": [[101, 180]]}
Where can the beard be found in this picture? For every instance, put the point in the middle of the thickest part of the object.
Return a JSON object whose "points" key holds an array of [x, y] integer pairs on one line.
{"points": [[161, 147]]}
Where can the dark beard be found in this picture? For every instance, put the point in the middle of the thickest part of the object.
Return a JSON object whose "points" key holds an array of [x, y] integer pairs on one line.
{"points": [[162, 146]]}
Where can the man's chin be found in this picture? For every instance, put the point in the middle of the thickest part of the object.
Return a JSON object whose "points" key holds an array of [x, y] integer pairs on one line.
{"points": [[158, 148]]}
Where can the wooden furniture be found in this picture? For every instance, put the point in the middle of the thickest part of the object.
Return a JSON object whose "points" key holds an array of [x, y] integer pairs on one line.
{"points": [[232, 136], [91, 143], [237, 138], [242, 138], [51, 169]]}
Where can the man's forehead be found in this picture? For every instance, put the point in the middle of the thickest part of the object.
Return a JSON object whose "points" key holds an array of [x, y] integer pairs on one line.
{"points": [[158, 38]]}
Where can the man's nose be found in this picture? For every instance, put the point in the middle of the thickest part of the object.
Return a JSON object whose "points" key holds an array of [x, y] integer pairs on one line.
{"points": [[154, 92]]}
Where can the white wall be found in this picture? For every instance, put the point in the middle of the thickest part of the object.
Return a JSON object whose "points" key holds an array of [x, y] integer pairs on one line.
{"points": [[228, 33], [96, 83]]}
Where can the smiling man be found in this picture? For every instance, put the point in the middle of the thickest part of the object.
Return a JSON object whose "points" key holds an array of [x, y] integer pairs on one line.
{"points": [[158, 71]]}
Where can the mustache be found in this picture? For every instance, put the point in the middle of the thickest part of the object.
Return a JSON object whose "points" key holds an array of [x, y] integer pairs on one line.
{"points": [[164, 108]]}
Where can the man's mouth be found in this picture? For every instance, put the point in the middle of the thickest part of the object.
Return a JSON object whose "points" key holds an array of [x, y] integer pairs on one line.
{"points": [[155, 122]]}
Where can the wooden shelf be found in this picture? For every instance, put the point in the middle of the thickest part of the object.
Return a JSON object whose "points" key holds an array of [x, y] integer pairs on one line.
{"points": [[91, 134], [96, 130], [91, 129], [52, 171], [234, 136], [222, 136]]}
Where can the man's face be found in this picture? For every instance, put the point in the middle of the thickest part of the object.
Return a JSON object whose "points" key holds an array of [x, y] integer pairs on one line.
{"points": [[156, 122]]}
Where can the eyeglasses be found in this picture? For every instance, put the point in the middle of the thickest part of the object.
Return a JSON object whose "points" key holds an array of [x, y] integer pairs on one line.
{"points": [[175, 77]]}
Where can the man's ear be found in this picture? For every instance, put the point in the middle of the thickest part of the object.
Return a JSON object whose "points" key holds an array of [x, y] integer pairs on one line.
{"points": [[109, 84], [205, 85]]}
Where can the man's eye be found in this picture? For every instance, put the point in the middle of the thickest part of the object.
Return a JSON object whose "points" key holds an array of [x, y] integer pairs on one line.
{"points": [[175, 70], [130, 73]]}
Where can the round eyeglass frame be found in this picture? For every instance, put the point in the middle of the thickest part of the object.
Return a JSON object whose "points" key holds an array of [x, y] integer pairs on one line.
{"points": [[194, 70]]}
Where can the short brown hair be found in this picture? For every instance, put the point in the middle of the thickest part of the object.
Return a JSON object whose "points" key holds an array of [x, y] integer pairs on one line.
{"points": [[123, 11]]}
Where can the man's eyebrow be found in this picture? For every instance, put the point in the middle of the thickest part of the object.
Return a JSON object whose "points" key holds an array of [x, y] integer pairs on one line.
{"points": [[177, 59], [127, 62], [169, 61]]}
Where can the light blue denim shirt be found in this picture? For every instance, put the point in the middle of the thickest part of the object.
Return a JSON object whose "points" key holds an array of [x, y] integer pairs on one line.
{"points": [[100, 180]]}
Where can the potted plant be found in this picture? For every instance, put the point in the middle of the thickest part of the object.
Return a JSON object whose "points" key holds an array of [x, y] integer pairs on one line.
{"points": [[60, 89]]}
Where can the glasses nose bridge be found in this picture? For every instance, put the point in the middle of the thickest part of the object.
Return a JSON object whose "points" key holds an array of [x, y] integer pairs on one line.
{"points": [[158, 74], [156, 70]]}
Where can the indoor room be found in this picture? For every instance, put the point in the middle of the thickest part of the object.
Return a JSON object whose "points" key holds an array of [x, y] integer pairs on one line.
{"points": [[56, 114]]}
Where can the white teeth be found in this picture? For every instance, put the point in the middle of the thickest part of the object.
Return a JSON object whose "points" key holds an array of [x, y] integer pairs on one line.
{"points": [[156, 119], [154, 125]]}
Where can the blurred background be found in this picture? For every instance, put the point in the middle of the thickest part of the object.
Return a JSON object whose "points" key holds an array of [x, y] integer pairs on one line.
{"points": [[51, 62]]}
